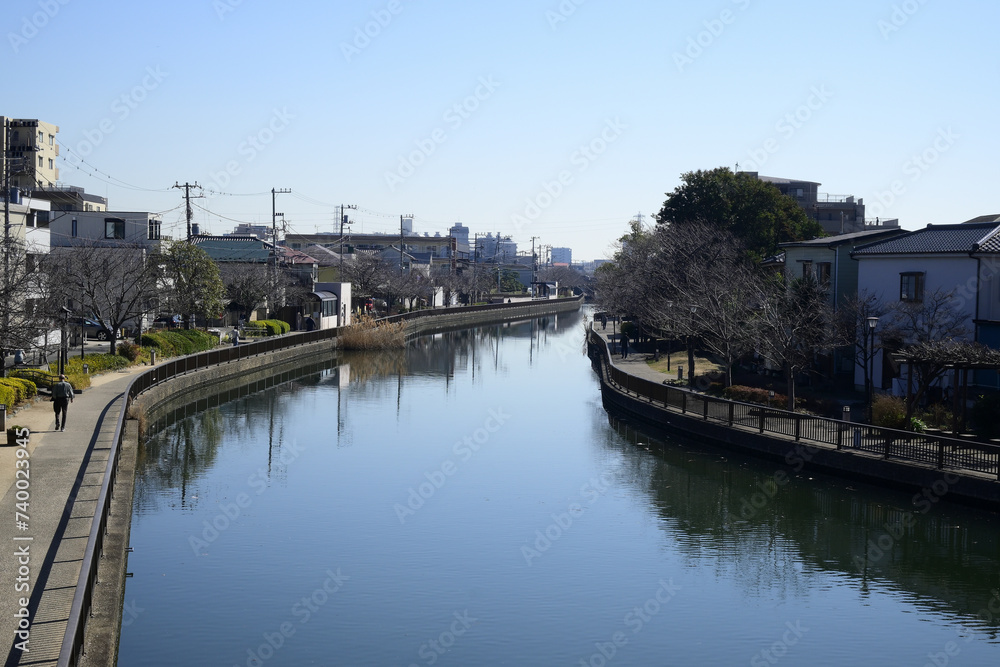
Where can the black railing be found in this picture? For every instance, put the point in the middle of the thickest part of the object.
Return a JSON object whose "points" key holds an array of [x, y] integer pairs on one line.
{"points": [[940, 452], [76, 626]]}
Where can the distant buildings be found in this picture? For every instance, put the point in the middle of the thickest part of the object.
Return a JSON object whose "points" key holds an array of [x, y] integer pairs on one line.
{"points": [[32, 151], [562, 256], [838, 214]]}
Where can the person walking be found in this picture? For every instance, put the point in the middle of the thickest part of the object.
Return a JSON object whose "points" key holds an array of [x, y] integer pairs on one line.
{"points": [[62, 396], [624, 346], [236, 337]]}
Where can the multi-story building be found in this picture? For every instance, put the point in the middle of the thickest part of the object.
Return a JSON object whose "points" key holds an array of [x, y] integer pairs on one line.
{"points": [[69, 198], [838, 214], [105, 229], [30, 148], [498, 249], [562, 256]]}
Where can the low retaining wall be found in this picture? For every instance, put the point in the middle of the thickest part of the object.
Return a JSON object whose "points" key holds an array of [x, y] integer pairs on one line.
{"points": [[928, 483]]}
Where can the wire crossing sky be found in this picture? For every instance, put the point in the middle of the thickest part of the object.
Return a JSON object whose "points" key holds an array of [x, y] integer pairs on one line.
{"points": [[560, 119]]}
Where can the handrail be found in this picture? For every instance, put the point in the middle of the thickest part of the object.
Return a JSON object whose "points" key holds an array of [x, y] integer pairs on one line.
{"points": [[940, 451], [73, 640]]}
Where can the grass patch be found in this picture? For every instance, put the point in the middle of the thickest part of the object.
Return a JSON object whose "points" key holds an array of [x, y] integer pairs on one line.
{"points": [[702, 366]]}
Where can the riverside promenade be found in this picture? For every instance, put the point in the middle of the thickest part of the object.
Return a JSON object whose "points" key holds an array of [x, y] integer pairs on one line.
{"points": [[65, 474]]}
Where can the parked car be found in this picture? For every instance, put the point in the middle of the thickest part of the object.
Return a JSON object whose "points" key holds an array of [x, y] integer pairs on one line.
{"points": [[91, 329]]}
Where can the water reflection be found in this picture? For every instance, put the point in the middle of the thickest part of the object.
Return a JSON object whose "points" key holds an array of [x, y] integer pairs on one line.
{"points": [[762, 525]]}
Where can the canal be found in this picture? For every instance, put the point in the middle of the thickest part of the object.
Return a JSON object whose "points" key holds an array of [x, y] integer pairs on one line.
{"points": [[468, 501]]}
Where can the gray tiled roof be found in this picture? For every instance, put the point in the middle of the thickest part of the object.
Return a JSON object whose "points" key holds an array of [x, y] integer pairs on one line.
{"points": [[961, 238], [233, 248], [845, 238], [992, 243]]}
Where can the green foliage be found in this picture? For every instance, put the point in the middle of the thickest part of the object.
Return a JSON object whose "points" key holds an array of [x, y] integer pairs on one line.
{"points": [[178, 342], [753, 210], [24, 389], [129, 351], [889, 411], [917, 425], [196, 286], [754, 395], [938, 416], [267, 328], [9, 393], [985, 415], [37, 377]]}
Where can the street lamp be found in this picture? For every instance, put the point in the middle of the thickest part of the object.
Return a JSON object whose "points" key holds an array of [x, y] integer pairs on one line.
{"points": [[64, 344], [872, 323], [670, 332], [694, 311]]}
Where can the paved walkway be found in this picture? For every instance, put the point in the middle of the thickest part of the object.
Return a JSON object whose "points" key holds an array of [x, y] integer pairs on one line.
{"points": [[66, 470], [635, 364]]}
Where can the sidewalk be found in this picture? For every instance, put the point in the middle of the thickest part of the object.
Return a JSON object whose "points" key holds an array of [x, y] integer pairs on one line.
{"points": [[635, 364], [66, 470]]}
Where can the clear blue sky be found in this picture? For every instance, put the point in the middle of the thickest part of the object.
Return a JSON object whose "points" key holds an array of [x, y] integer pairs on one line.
{"points": [[655, 88]]}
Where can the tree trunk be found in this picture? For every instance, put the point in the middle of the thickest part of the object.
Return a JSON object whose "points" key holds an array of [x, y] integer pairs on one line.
{"points": [[790, 380], [690, 361]]}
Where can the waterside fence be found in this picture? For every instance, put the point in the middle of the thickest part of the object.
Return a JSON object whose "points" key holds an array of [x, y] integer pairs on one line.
{"points": [[940, 452]]}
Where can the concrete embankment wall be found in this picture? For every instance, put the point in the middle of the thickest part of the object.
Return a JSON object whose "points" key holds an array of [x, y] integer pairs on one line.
{"points": [[927, 483]]}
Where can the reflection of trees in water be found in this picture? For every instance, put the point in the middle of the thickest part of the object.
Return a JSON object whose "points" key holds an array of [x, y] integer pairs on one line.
{"points": [[766, 535], [170, 462]]}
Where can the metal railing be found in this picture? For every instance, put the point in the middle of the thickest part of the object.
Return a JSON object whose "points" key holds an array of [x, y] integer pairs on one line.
{"points": [[905, 446], [76, 626]]}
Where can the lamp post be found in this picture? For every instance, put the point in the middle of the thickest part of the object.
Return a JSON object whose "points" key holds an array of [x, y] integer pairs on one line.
{"points": [[872, 323], [670, 332], [694, 310], [64, 343]]}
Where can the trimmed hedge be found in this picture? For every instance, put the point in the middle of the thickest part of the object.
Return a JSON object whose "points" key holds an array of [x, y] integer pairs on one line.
{"points": [[8, 395], [755, 395], [178, 342], [267, 328], [24, 389]]}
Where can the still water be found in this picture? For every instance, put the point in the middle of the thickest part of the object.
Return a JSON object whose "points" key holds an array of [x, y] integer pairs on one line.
{"points": [[467, 502]]}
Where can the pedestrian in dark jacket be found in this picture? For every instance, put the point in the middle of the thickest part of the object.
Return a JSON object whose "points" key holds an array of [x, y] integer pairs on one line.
{"points": [[624, 346], [62, 396]]}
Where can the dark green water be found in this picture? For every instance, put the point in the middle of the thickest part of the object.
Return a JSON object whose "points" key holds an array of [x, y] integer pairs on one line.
{"points": [[467, 502]]}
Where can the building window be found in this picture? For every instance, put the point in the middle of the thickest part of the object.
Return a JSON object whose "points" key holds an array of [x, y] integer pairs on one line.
{"points": [[41, 136], [16, 136], [911, 287], [50, 163], [823, 273], [154, 230], [114, 228], [73, 229], [41, 161], [52, 139], [807, 269]]}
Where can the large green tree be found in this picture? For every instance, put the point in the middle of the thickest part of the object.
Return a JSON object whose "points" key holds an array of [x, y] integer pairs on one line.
{"points": [[193, 283], [754, 211]]}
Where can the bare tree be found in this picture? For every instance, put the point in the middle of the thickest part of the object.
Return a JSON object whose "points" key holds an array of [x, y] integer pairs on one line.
{"points": [[796, 324], [112, 285], [853, 327], [934, 323], [367, 274], [250, 285], [24, 311]]}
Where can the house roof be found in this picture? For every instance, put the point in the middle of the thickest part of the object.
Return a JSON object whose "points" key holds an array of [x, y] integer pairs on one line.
{"points": [[233, 248], [293, 256], [984, 218], [784, 181], [934, 239], [869, 235]]}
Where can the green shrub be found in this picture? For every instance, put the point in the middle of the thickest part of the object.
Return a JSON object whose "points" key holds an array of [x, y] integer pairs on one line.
{"points": [[889, 411], [985, 415], [129, 351], [23, 389], [157, 341], [8, 395], [36, 377], [755, 395]]}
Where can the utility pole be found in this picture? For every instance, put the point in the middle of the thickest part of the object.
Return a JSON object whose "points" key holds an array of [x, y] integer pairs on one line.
{"points": [[401, 246], [343, 221], [187, 198], [274, 226], [6, 240], [534, 266], [475, 260]]}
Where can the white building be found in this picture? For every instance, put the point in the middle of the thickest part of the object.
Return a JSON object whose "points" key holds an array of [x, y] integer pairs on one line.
{"points": [[562, 256], [962, 259], [105, 228]]}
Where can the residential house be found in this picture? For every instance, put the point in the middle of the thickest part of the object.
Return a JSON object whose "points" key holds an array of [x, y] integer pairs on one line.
{"points": [[961, 259], [106, 229], [828, 260]]}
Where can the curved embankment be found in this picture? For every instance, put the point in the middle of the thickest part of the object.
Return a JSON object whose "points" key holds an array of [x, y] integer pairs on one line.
{"points": [[933, 469], [194, 383]]}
